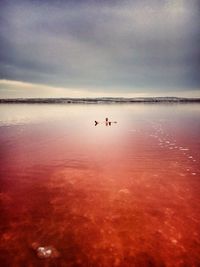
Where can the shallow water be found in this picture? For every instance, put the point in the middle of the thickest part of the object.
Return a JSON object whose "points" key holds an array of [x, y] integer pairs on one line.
{"points": [[120, 195]]}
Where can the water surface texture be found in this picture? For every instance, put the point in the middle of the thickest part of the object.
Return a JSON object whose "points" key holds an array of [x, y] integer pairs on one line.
{"points": [[101, 196]]}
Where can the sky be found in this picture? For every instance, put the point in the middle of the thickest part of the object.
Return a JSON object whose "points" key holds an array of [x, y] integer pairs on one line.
{"points": [[98, 48]]}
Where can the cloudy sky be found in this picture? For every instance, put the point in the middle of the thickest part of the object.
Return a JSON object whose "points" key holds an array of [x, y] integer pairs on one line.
{"points": [[77, 48]]}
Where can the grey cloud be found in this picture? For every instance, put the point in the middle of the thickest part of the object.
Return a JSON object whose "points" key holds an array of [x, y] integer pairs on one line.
{"points": [[123, 44]]}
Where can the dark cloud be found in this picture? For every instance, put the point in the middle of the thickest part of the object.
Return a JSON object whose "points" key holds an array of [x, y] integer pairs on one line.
{"points": [[116, 45]]}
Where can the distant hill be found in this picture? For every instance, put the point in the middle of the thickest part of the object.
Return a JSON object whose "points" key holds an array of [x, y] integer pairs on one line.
{"points": [[101, 100]]}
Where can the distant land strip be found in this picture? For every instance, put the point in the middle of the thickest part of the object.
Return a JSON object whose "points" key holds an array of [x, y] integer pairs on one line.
{"points": [[100, 100]]}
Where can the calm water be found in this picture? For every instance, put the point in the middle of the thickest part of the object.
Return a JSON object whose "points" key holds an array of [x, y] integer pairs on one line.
{"points": [[100, 196]]}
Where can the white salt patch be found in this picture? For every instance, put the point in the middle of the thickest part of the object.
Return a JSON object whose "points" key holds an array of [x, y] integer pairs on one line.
{"points": [[44, 252], [48, 252]]}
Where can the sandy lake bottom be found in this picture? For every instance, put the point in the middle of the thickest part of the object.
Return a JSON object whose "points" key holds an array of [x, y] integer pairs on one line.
{"points": [[100, 196]]}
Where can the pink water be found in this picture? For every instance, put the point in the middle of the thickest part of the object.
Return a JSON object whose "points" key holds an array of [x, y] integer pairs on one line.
{"points": [[121, 195]]}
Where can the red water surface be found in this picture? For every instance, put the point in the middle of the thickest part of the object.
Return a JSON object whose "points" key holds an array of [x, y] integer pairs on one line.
{"points": [[120, 195]]}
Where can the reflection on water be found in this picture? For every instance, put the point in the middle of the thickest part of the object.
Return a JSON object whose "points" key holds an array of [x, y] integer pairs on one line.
{"points": [[125, 195]]}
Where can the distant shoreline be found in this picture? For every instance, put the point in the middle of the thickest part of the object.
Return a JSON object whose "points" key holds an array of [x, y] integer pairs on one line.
{"points": [[103, 100]]}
